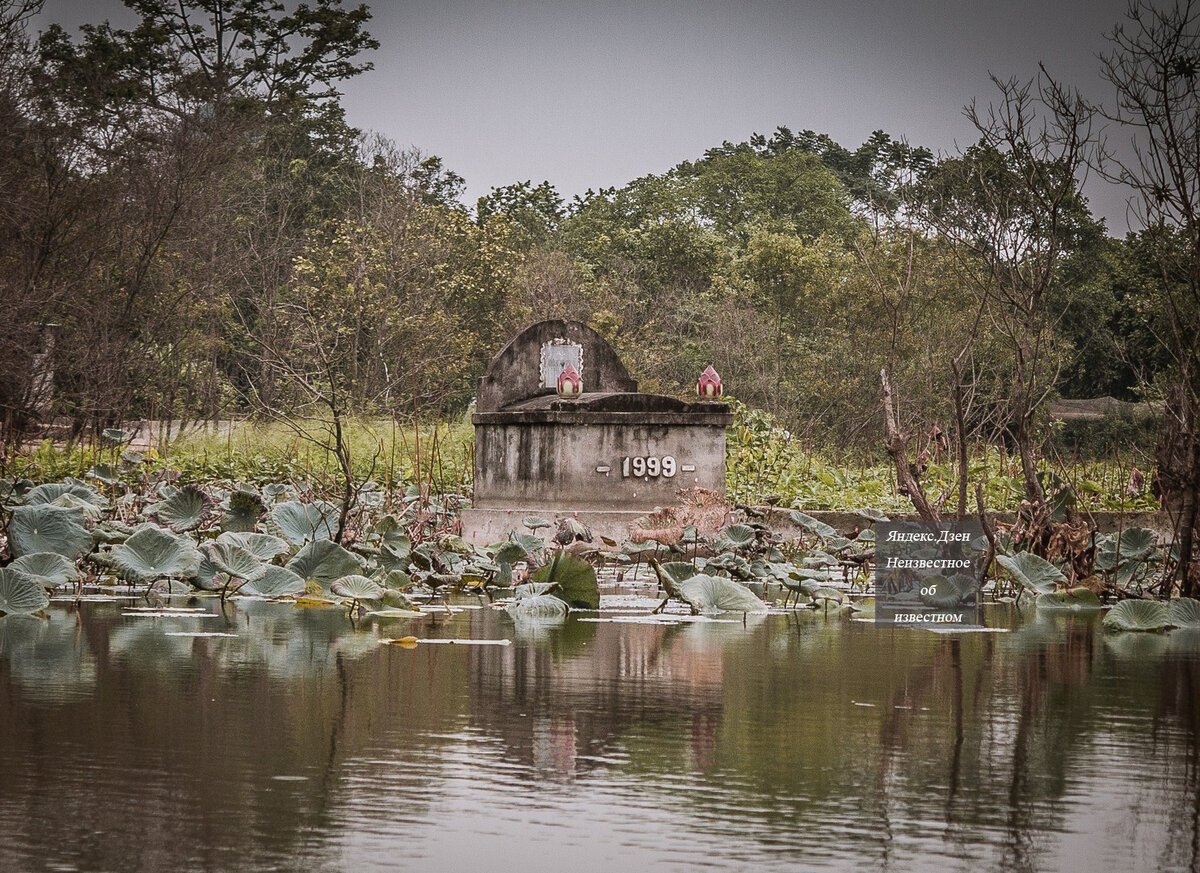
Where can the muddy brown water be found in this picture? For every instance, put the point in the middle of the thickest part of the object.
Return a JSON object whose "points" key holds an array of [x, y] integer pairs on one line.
{"points": [[287, 739]]}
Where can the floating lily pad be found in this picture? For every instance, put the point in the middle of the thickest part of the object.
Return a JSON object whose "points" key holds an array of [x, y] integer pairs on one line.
{"points": [[20, 593], [1184, 612], [1076, 599], [1138, 615], [537, 606]]}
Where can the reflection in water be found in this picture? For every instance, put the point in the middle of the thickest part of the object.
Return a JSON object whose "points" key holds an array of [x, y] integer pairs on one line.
{"points": [[294, 740]]}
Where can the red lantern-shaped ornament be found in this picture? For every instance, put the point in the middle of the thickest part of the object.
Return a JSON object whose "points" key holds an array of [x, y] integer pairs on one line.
{"points": [[569, 382], [709, 385]]}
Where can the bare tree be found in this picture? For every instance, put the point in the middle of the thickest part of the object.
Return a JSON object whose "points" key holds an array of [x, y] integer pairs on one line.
{"points": [[1154, 67]]}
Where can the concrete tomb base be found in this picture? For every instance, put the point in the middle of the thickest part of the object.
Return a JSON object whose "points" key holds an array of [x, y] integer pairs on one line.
{"points": [[611, 454]]}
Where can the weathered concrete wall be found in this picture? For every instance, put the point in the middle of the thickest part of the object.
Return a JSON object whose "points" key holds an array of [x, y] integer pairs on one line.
{"points": [[555, 464], [514, 374]]}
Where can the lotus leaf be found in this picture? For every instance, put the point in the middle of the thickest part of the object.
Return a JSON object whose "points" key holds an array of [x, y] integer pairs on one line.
{"points": [[356, 587], [537, 606], [51, 491], [1138, 615], [323, 561], [823, 596], [153, 553], [736, 536], [50, 568], [870, 514], [182, 511], [534, 522], [1032, 572], [20, 593], [718, 594], [234, 560], [454, 544], [106, 473], [1075, 599], [273, 582], [300, 523], [678, 570], [576, 580], [245, 508], [1135, 544], [262, 546], [397, 600], [735, 564], [45, 528], [1184, 612]]}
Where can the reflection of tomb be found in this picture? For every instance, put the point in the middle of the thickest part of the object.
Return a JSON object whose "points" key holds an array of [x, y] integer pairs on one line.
{"points": [[564, 704], [611, 454]]}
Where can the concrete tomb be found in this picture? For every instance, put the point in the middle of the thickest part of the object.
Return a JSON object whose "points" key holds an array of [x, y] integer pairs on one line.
{"points": [[610, 454]]}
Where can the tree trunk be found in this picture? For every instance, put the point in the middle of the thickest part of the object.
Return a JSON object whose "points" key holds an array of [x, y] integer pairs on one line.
{"points": [[897, 449]]}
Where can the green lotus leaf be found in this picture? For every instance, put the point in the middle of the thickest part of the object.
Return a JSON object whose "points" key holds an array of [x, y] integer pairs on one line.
{"points": [[116, 435], [169, 587], [262, 546], [871, 514], [824, 595], [576, 580], [51, 491], [322, 562], [1184, 612], [735, 537], [50, 568], [535, 522], [20, 593], [234, 560], [397, 600], [1133, 544], [245, 508], [106, 473], [90, 511], [1076, 599], [182, 511], [153, 553], [46, 528], [356, 587], [1032, 572], [1138, 615], [274, 582], [719, 594], [678, 571], [537, 606], [301, 523], [736, 565], [455, 544]]}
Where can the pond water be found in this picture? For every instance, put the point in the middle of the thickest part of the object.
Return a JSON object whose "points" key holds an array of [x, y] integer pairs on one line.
{"points": [[287, 739]]}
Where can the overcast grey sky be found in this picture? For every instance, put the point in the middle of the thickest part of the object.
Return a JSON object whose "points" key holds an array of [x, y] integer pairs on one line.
{"points": [[592, 94]]}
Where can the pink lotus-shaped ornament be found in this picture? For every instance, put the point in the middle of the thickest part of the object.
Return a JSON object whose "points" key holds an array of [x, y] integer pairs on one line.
{"points": [[709, 385], [569, 382]]}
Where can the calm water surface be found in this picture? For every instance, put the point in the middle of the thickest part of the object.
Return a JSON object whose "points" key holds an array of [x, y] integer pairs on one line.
{"points": [[298, 742]]}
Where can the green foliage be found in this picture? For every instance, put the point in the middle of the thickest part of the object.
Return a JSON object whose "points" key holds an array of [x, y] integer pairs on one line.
{"points": [[1138, 615], [20, 594]]}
